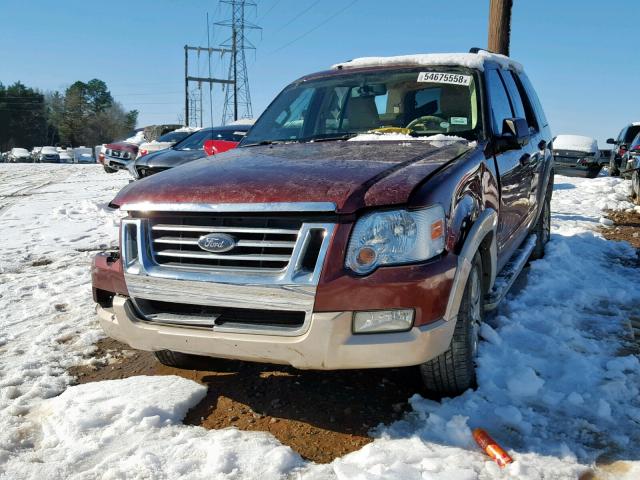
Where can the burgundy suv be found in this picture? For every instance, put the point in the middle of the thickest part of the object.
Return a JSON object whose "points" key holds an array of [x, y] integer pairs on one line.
{"points": [[369, 219]]}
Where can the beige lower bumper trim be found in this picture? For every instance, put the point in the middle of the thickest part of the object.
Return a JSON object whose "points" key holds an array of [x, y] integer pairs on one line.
{"points": [[328, 344]]}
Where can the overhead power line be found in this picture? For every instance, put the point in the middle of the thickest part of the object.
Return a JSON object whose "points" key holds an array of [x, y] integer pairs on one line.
{"points": [[298, 16], [310, 31]]}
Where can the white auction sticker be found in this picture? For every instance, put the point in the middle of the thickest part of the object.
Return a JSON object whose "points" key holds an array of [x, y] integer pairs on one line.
{"points": [[439, 77]]}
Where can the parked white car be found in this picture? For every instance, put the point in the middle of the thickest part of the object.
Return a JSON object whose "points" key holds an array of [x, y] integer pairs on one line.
{"points": [[83, 155], [19, 155], [577, 155], [165, 141], [65, 156]]}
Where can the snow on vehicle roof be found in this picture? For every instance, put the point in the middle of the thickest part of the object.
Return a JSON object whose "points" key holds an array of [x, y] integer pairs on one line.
{"points": [[578, 143], [186, 129], [469, 60], [137, 139], [243, 121]]}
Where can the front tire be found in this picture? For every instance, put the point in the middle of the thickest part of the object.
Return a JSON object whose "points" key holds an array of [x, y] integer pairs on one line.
{"points": [[184, 361], [542, 229], [109, 169], [454, 371]]}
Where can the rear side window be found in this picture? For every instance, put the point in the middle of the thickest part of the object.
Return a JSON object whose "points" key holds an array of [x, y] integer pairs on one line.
{"points": [[520, 98], [499, 100], [516, 100], [533, 97]]}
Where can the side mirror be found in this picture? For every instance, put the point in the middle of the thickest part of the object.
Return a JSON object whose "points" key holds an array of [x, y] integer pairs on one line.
{"points": [[515, 134], [611, 141], [210, 147]]}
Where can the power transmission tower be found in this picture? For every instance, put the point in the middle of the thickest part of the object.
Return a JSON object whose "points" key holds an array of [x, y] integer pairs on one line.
{"points": [[237, 101], [500, 26], [193, 100]]}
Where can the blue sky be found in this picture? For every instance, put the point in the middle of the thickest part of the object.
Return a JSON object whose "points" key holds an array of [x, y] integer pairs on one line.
{"points": [[580, 54]]}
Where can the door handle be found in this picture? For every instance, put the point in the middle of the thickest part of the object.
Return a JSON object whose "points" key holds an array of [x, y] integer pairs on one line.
{"points": [[525, 159]]}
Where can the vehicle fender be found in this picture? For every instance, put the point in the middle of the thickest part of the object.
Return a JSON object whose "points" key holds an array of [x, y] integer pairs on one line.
{"points": [[482, 230], [546, 177]]}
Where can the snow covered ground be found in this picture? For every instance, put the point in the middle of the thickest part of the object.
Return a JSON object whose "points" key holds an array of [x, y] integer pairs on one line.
{"points": [[559, 387]]}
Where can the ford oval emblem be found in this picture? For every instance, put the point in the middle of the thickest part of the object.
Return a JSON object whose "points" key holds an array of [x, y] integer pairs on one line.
{"points": [[217, 242]]}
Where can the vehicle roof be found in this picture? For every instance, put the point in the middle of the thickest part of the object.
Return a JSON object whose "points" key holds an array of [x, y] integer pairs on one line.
{"points": [[575, 142], [469, 60]]}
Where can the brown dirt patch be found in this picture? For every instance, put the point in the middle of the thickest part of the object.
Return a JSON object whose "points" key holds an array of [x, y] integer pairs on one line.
{"points": [[626, 227], [320, 415]]}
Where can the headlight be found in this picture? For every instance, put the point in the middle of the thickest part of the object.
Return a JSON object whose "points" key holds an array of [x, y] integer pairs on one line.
{"points": [[395, 237]]}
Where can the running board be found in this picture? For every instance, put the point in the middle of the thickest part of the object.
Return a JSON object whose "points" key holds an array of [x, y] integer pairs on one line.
{"points": [[509, 273]]}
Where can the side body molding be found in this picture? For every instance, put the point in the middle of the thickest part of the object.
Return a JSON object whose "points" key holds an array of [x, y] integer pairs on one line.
{"points": [[486, 223]]}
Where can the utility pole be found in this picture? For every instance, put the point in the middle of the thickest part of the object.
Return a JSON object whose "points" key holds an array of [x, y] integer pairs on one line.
{"points": [[200, 80], [500, 26], [186, 85], [235, 74], [237, 103]]}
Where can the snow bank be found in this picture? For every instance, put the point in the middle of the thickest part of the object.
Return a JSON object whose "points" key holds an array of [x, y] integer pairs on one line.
{"points": [[131, 429], [469, 60], [578, 143]]}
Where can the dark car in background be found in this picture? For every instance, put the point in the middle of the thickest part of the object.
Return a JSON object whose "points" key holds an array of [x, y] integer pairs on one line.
{"points": [[189, 149], [49, 155], [577, 156], [620, 146]]}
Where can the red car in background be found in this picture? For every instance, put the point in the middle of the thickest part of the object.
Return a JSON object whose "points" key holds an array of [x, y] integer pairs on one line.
{"points": [[203, 143]]}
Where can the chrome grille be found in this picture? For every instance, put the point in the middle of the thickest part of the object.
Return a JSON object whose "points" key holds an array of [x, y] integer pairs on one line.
{"points": [[265, 285], [262, 243]]}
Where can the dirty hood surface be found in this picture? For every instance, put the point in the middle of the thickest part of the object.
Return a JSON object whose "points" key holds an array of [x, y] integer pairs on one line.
{"points": [[350, 174]]}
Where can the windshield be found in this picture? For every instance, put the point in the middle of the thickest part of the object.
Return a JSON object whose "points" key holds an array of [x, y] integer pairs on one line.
{"points": [[416, 102], [196, 140], [174, 136]]}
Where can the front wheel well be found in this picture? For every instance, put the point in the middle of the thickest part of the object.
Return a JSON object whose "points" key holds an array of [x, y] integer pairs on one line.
{"points": [[487, 264]]}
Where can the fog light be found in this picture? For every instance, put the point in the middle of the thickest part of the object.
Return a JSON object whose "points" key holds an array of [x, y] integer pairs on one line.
{"points": [[382, 321]]}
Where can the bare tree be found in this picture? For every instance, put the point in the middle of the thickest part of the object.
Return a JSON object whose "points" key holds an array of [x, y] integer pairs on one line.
{"points": [[500, 25]]}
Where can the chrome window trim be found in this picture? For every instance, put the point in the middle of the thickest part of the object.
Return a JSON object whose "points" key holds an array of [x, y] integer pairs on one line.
{"points": [[279, 207]]}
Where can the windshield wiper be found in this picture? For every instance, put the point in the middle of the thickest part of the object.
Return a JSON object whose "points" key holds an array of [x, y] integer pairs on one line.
{"points": [[345, 136]]}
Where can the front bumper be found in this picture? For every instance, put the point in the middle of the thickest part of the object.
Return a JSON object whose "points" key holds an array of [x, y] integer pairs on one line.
{"points": [[327, 344], [117, 163]]}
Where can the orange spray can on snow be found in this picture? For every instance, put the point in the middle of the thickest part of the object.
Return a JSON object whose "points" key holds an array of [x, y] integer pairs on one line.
{"points": [[491, 447]]}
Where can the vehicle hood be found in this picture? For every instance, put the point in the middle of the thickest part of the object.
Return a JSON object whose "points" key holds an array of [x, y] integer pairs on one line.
{"points": [[169, 158], [352, 175]]}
